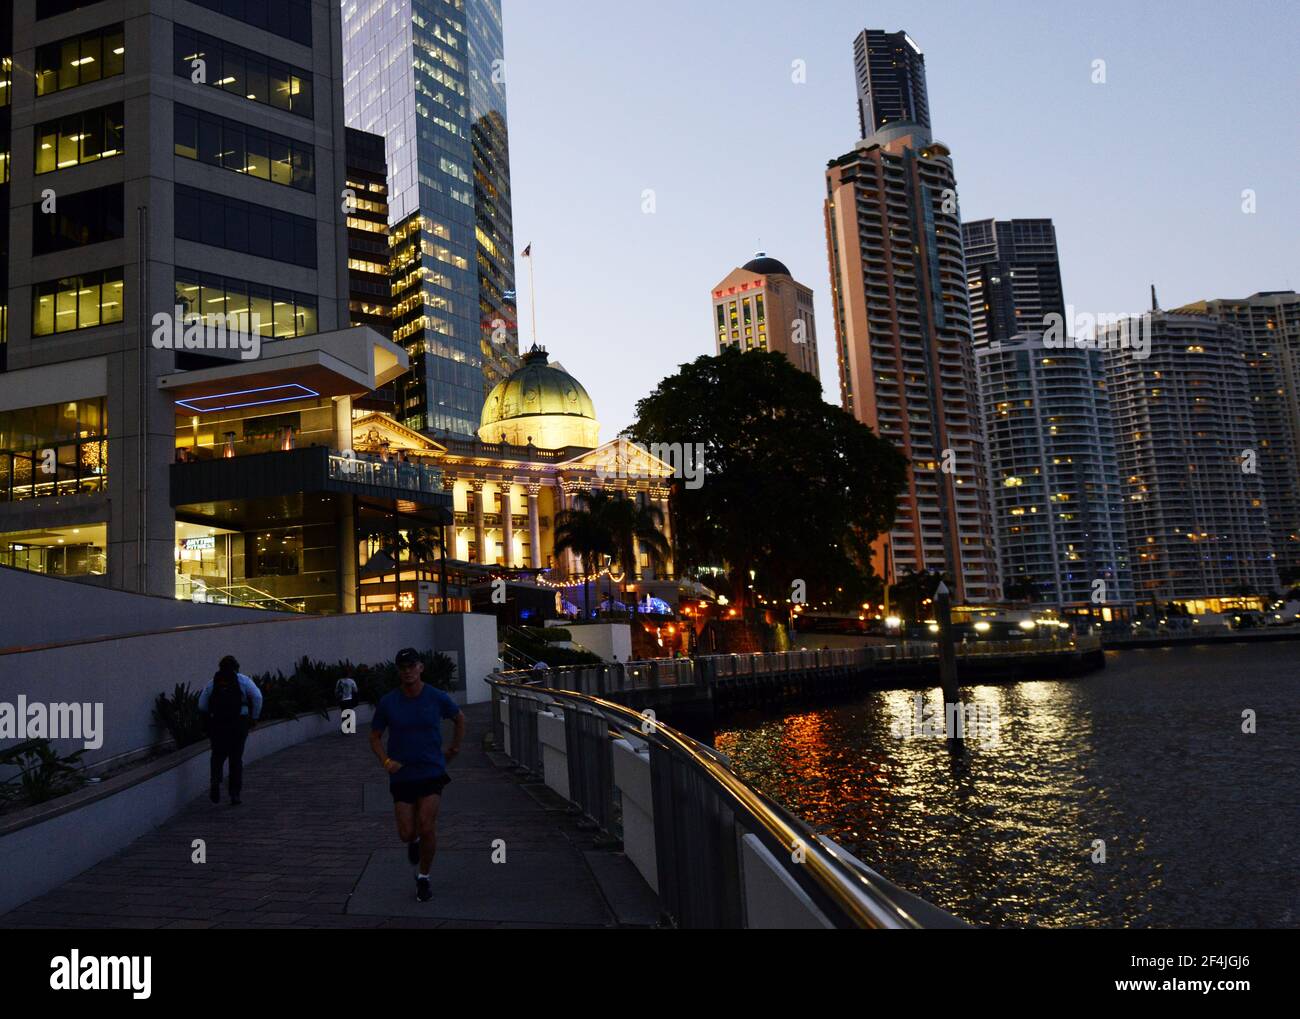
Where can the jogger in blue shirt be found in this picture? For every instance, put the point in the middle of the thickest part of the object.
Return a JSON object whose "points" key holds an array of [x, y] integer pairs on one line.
{"points": [[415, 761]]}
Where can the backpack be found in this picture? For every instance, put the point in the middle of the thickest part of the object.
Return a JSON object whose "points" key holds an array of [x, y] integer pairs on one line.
{"points": [[226, 700]]}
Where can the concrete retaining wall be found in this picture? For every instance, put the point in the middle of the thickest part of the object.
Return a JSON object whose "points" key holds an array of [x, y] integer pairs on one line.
{"points": [[632, 776], [772, 898], [44, 846], [611, 641], [41, 609], [126, 674], [555, 759]]}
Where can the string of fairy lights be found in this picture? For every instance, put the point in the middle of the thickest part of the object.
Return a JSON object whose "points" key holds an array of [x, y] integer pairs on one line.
{"points": [[586, 578]]}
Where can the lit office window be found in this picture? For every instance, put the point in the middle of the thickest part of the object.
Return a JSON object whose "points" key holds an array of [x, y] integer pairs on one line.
{"points": [[243, 148], [281, 314], [79, 138], [242, 72], [79, 60], [77, 302]]}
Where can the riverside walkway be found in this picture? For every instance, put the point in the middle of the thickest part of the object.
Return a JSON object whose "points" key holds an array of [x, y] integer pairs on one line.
{"points": [[314, 845]]}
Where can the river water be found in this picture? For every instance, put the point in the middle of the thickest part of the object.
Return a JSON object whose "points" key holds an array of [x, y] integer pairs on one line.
{"points": [[1200, 821]]}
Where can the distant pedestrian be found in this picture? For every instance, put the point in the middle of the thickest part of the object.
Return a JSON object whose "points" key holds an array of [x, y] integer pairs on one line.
{"points": [[417, 768], [346, 691], [231, 705]]}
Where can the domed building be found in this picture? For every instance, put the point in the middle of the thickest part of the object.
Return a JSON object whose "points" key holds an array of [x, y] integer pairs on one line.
{"points": [[539, 404], [761, 306], [538, 447]]}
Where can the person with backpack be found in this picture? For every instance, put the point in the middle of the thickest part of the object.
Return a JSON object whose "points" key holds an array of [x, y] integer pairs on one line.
{"points": [[231, 705], [346, 691]]}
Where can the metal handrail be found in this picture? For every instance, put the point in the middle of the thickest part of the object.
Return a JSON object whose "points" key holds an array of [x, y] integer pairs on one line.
{"points": [[852, 890]]}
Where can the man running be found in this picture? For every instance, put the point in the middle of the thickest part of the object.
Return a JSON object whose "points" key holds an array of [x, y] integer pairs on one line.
{"points": [[417, 770]]}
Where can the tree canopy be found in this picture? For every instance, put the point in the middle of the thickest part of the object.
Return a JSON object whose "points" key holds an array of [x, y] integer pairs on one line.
{"points": [[793, 487]]}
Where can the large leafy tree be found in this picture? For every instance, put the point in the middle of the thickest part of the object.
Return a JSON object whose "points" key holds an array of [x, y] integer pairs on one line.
{"points": [[793, 487]]}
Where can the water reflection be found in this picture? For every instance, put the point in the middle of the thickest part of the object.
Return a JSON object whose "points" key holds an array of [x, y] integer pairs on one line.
{"points": [[1198, 820]]}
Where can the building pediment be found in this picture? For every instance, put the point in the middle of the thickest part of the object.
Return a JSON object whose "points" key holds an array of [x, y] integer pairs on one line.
{"points": [[619, 458], [377, 431]]}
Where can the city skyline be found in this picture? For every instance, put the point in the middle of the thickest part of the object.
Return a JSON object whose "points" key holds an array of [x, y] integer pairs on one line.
{"points": [[1204, 244]]}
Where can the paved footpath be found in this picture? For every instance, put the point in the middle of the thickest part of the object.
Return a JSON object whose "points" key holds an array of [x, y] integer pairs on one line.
{"points": [[314, 845]]}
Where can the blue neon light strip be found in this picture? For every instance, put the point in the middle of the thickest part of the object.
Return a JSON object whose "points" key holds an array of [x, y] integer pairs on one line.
{"points": [[302, 394]]}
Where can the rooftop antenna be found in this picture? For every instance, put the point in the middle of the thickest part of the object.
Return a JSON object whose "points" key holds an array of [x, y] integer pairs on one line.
{"points": [[1155, 306]]}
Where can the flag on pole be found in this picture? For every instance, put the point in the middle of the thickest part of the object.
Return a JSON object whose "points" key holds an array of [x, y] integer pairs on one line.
{"points": [[528, 251]]}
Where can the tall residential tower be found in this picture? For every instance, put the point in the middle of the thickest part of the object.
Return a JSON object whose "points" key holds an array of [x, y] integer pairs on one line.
{"points": [[1053, 487], [1196, 519], [890, 71], [903, 334], [1013, 276], [1269, 324]]}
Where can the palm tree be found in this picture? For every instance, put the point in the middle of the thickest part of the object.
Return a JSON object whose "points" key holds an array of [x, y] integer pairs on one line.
{"points": [[584, 531], [630, 523]]}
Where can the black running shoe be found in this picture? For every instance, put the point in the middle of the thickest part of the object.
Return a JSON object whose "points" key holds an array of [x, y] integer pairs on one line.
{"points": [[413, 850], [214, 794], [423, 893], [235, 801]]}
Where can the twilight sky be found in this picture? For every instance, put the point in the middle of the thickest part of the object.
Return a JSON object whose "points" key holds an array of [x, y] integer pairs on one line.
{"points": [[1143, 175]]}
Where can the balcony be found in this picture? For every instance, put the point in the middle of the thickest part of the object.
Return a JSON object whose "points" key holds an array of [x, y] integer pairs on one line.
{"points": [[303, 471]]}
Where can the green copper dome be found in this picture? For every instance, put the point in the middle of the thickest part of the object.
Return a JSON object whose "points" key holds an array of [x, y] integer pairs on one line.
{"points": [[541, 404]]}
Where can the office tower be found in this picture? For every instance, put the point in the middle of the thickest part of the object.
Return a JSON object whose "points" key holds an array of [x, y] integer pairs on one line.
{"points": [[890, 71], [903, 337], [6, 94], [1054, 489], [1013, 275], [1269, 324], [430, 78], [1195, 514], [370, 299], [760, 306], [182, 367]]}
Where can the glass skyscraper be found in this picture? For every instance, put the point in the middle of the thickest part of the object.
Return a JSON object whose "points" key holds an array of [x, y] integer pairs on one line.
{"points": [[429, 75]]}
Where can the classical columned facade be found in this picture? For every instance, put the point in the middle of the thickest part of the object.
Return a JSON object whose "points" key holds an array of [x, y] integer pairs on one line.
{"points": [[506, 498]]}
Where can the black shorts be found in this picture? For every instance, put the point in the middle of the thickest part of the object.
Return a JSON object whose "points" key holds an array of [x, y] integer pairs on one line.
{"points": [[413, 792]]}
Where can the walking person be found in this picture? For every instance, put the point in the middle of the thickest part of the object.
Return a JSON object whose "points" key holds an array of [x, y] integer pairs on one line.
{"points": [[416, 765], [231, 705], [346, 691]]}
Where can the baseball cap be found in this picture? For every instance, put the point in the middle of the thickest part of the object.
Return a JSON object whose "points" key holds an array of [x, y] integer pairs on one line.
{"points": [[407, 656]]}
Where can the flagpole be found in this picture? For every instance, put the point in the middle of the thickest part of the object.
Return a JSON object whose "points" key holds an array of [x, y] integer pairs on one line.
{"points": [[532, 290]]}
